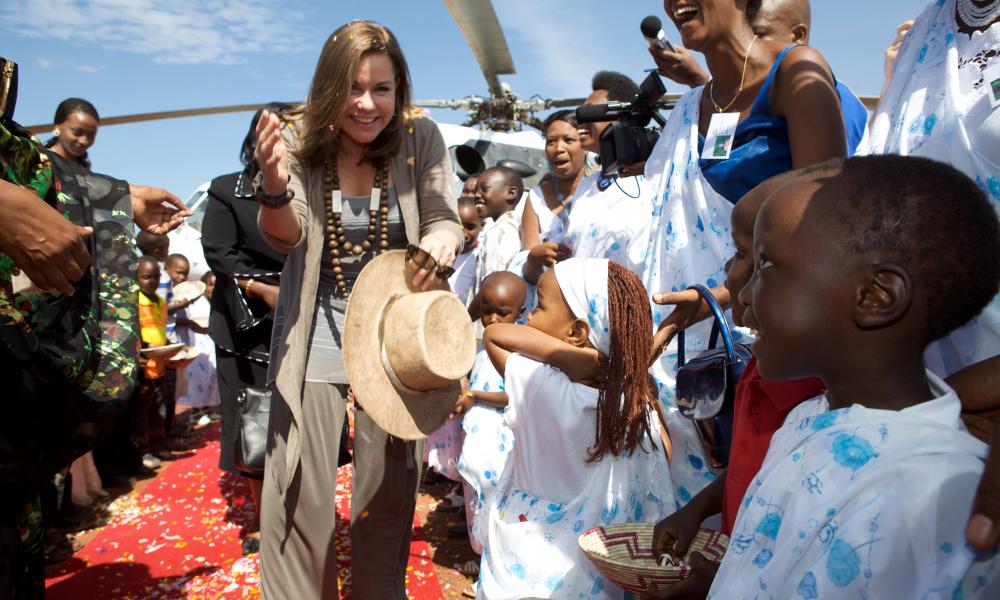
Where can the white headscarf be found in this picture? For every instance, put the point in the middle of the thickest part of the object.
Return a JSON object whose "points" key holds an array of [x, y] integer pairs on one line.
{"points": [[584, 284]]}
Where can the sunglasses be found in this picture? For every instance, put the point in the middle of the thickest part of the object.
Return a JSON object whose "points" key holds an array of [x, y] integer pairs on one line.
{"points": [[422, 259]]}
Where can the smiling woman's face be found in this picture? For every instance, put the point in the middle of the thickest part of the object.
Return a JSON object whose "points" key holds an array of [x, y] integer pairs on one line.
{"points": [[372, 101], [77, 133], [700, 20]]}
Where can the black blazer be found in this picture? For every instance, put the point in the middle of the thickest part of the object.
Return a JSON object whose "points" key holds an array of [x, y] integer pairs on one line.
{"points": [[233, 244]]}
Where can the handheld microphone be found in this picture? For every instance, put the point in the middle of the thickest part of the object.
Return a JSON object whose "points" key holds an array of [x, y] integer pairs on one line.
{"points": [[652, 30]]}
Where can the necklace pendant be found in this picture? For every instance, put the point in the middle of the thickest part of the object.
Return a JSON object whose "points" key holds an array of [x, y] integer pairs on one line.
{"points": [[336, 201], [376, 196]]}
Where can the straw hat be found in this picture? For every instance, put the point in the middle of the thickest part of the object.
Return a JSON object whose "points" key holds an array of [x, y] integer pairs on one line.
{"points": [[405, 350]]}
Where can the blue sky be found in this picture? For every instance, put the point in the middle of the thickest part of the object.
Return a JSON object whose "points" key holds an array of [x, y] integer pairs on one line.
{"points": [[132, 56]]}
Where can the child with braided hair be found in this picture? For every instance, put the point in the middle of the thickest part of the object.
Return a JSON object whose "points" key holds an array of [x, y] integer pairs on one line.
{"points": [[584, 454]]}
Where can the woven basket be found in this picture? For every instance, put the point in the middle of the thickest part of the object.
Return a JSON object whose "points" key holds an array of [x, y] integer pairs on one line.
{"points": [[624, 554]]}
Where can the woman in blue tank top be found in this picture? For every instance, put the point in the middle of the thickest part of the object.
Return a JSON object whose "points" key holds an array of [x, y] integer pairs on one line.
{"points": [[788, 101]]}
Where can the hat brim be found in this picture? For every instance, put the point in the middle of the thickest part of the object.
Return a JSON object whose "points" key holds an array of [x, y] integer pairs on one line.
{"points": [[398, 412]]}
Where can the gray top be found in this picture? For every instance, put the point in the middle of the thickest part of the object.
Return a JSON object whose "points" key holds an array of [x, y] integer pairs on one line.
{"points": [[325, 362]]}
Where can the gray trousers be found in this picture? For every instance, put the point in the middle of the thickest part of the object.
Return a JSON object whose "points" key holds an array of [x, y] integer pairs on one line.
{"points": [[298, 559]]}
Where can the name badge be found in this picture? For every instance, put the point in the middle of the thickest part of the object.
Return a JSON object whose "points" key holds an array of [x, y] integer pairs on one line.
{"points": [[991, 79], [719, 140]]}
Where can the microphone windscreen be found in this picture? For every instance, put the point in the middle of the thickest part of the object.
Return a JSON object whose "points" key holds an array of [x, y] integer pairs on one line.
{"points": [[651, 26], [589, 113]]}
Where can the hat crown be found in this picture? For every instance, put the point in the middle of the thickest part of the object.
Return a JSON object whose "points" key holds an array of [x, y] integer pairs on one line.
{"points": [[428, 339]]}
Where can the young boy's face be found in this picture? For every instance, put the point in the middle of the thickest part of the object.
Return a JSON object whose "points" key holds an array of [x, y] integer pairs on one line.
{"points": [[472, 224], [469, 189], [799, 297], [493, 197], [178, 271], [162, 249], [209, 285], [740, 266], [501, 304], [148, 275]]}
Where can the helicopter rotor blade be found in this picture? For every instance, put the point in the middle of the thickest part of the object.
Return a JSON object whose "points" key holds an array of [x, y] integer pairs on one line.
{"points": [[157, 116], [479, 24], [468, 103]]}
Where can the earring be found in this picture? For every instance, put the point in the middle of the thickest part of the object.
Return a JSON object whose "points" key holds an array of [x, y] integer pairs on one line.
{"points": [[55, 132]]}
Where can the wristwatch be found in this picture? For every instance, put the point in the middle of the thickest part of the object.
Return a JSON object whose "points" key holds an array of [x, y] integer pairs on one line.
{"points": [[271, 201]]}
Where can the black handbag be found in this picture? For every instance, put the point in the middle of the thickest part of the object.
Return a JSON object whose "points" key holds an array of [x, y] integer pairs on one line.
{"points": [[250, 448], [253, 415], [706, 385]]}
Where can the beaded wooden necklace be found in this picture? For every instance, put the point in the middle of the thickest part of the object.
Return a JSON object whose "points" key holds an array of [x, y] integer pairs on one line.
{"points": [[378, 219]]}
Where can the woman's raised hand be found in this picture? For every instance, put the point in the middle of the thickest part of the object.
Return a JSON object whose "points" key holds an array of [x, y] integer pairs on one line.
{"points": [[547, 254], [270, 154]]}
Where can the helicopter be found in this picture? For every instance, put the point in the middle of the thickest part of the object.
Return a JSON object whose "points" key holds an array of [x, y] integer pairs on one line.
{"points": [[493, 130], [492, 133]]}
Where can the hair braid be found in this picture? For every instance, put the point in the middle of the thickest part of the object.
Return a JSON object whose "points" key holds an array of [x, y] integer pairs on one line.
{"points": [[623, 403]]}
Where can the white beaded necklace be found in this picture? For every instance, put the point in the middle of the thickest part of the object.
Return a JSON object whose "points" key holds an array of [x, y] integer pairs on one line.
{"points": [[977, 17]]}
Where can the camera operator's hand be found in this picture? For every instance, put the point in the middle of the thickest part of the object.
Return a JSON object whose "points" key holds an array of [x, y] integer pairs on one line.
{"points": [[680, 66]]}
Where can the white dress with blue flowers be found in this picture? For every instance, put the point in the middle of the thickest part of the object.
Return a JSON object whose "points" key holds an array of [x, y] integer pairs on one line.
{"points": [[690, 240], [862, 503], [488, 442], [549, 494], [938, 106], [610, 219]]}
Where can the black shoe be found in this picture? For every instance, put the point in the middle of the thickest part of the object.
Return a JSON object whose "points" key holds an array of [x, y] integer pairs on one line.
{"points": [[76, 519], [117, 481], [143, 472], [251, 546]]}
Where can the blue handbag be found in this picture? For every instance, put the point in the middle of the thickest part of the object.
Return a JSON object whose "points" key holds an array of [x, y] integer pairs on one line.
{"points": [[706, 385]]}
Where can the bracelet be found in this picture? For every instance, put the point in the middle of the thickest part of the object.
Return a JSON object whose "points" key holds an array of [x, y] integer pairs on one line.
{"points": [[268, 200], [469, 394], [274, 201], [249, 284]]}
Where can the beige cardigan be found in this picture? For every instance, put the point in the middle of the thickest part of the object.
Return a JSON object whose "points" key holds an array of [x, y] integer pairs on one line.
{"points": [[424, 182]]}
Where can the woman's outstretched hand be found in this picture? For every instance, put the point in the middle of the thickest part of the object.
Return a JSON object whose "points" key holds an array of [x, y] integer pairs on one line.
{"points": [[270, 154], [688, 309], [156, 210]]}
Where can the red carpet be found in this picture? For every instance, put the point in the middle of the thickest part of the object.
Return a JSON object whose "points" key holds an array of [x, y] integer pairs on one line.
{"points": [[180, 539]]}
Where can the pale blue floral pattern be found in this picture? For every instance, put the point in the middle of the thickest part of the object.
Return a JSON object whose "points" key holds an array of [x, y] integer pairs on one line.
{"points": [[937, 106], [612, 223], [442, 448], [487, 445], [861, 503], [532, 549], [202, 381], [690, 241]]}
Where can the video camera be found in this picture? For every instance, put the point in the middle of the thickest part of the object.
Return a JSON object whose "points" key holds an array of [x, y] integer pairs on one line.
{"points": [[629, 140]]}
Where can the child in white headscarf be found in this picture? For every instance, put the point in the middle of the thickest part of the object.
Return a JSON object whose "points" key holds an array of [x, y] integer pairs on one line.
{"points": [[583, 456]]}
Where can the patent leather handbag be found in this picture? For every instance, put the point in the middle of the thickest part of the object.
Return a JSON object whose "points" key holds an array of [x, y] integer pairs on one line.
{"points": [[251, 435], [706, 385]]}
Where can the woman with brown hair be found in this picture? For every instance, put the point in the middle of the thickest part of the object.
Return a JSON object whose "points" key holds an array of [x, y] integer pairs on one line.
{"points": [[358, 175]]}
